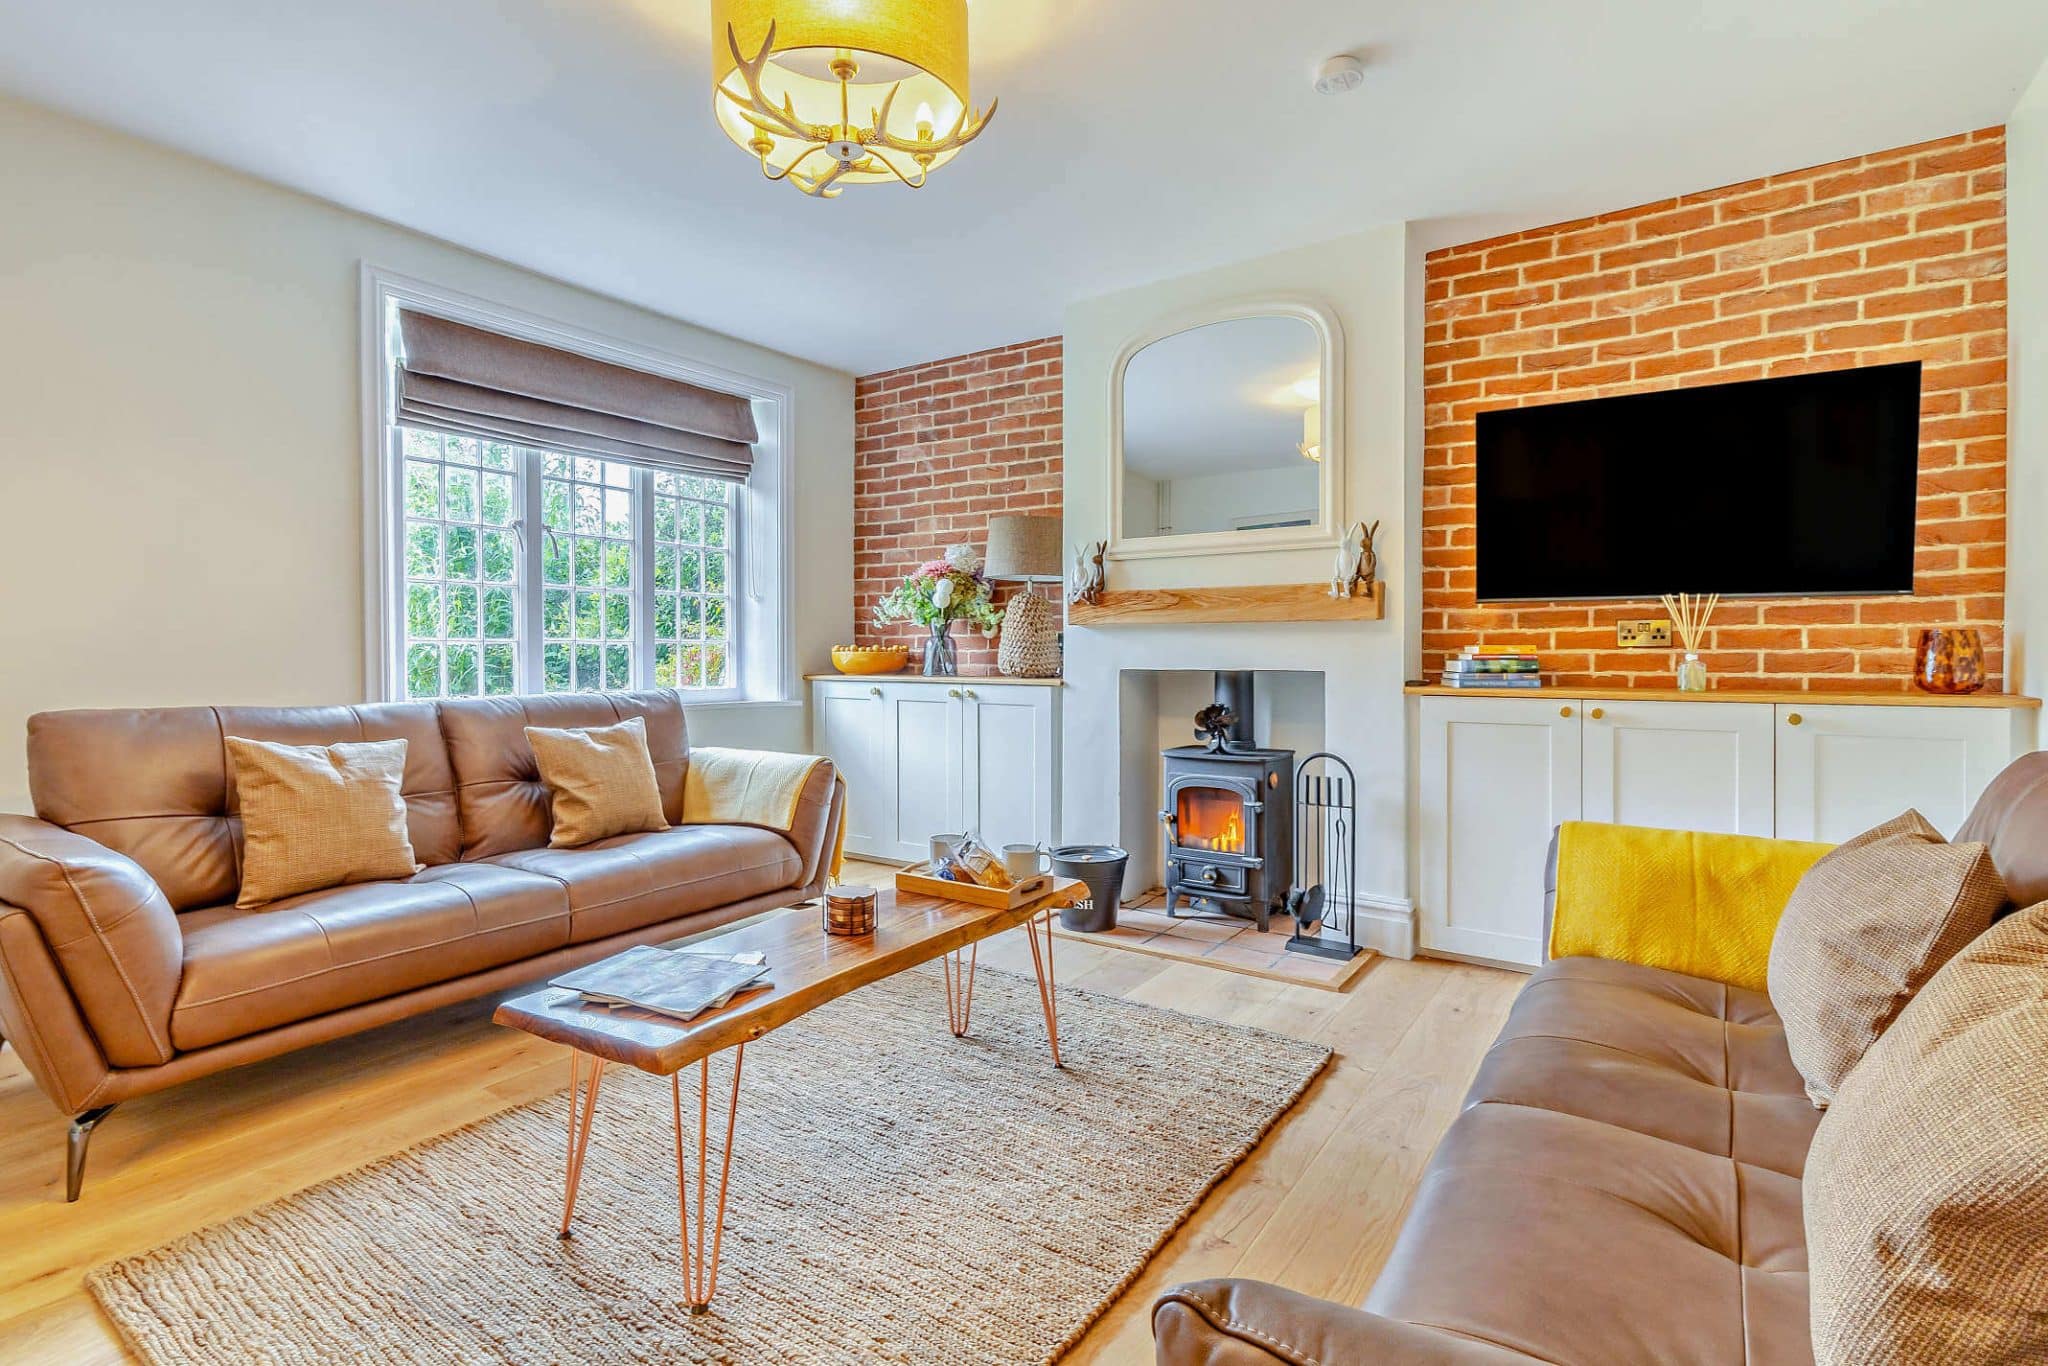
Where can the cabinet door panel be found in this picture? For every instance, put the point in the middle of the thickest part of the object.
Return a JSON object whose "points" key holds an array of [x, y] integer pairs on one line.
{"points": [[1497, 776], [925, 755], [1843, 769], [1679, 765], [1009, 776], [852, 730]]}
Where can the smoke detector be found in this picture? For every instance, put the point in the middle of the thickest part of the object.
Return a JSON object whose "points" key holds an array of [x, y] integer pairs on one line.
{"points": [[1340, 74]]}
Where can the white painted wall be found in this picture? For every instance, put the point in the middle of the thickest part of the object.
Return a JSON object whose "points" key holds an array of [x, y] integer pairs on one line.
{"points": [[179, 378], [2026, 574], [1362, 278]]}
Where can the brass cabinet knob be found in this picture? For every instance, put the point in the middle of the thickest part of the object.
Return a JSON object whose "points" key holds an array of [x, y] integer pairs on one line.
{"points": [[970, 694], [874, 691], [1564, 711], [952, 692], [1596, 713], [1794, 719]]}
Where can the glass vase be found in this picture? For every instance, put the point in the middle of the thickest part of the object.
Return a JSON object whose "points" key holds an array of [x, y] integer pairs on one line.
{"points": [[940, 659], [1692, 673]]}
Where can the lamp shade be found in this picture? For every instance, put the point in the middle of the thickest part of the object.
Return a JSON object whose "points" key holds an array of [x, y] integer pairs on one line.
{"points": [[921, 44], [1023, 547]]}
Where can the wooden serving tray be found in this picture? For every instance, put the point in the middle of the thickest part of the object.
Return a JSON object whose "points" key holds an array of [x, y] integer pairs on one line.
{"points": [[918, 878]]}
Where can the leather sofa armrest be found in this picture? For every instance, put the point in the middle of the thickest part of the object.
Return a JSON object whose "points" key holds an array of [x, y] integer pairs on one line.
{"points": [[1252, 1323], [109, 928], [39, 1016], [815, 829]]}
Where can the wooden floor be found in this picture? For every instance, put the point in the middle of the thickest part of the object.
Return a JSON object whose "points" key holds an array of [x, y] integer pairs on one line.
{"points": [[1316, 1207]]}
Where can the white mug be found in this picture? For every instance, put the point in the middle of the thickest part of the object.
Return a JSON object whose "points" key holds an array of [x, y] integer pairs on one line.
{"points": [[1023, 861], [943, 845]]}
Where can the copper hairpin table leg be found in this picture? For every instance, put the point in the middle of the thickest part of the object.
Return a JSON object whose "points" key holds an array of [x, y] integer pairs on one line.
{"points": [[960, 988], [700, 1272], [1041, 962], [582, 1106]]}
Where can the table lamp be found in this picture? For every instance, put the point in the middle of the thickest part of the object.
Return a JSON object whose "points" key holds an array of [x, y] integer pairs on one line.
{"points": [[1026, 549]]}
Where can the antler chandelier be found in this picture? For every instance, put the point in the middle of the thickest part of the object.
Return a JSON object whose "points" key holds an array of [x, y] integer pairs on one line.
{"points": [[790, 77]]}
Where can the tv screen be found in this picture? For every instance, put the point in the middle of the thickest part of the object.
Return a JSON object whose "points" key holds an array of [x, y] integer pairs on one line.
{"points": [[1800, 485]]}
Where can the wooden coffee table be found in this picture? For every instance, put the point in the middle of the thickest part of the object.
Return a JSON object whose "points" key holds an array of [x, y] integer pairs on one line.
{"points": [[808, 968]]}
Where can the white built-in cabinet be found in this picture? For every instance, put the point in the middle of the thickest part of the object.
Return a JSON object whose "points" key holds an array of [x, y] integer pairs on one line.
{"points": [[1497, 774], [939, 756]]}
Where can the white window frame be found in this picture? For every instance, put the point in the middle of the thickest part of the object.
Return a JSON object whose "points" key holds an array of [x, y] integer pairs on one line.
{"points": [[763, 629]]}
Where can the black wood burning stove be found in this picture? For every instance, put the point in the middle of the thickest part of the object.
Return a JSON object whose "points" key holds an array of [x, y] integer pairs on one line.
{"points": [[1229, 817]]}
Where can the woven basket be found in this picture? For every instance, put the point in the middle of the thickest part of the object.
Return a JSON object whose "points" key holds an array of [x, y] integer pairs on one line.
{"points": [[1030, 645]]}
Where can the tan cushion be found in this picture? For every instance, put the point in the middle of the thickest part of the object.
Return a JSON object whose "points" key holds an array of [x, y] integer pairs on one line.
{"points": [[1927, 1185], [600, 780], [1864, 930], [319, 816]]}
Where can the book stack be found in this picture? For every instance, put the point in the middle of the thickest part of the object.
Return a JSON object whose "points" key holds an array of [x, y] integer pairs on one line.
{"points": [[1494, 666]]}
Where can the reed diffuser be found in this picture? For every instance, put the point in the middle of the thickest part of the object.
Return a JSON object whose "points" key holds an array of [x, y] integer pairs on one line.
{"points": [[1690, 613]]}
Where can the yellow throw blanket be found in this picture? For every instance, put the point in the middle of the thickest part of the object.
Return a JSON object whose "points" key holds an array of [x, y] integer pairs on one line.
{"points": [[749, 787], [1704, 905]]}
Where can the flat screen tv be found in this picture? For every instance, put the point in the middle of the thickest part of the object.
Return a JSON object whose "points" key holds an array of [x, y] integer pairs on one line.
{"points": [[1801, 485]]}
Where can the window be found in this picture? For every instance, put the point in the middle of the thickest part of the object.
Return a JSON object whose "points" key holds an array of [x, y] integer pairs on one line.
{"points": [[625, 600], [461, 567], [499, 568]]}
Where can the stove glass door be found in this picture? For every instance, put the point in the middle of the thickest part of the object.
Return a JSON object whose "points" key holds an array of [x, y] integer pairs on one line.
{"points": [[1211, 819]]}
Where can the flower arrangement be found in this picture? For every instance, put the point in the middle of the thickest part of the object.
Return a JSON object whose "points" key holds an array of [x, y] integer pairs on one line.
{"points": [[942, 591], [937, 594]]}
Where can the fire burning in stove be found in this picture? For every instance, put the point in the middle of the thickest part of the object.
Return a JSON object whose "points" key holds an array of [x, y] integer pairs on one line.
{"points": [[1208, 818]]}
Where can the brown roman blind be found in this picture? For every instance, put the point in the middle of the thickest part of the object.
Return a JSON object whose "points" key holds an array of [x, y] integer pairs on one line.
{"points": [[469, 382]]}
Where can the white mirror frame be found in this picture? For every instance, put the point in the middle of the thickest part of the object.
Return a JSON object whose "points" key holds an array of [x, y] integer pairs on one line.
{"points": [[1327, 531]]}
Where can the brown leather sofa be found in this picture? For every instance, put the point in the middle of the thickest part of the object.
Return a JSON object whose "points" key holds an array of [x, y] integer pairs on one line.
{"points": [[1623, 1184], [125, 967]]}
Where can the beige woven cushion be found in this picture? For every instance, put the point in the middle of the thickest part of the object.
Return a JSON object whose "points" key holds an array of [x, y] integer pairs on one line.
{"points": [[600, 780], [1864, 929], [317, 816], [1926, 1187]]}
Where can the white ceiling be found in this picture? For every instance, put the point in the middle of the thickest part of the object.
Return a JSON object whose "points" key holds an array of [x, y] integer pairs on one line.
{"points": [[1137, 139]]}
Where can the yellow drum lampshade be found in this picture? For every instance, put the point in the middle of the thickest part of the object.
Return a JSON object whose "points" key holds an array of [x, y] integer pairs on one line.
{"points": [[833, 65]]}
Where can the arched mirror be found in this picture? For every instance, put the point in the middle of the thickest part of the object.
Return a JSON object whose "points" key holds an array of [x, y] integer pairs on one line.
{"points": [[1219, 429]]}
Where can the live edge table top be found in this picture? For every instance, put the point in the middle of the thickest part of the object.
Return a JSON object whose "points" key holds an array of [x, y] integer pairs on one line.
{"points": [[806, 966]]}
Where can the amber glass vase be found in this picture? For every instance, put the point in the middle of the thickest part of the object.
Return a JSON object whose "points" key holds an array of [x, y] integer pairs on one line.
{"points": [[1951, 660]]}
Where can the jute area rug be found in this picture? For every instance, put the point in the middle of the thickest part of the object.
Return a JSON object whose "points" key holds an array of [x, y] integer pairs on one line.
{"points": [[898, 1195]]}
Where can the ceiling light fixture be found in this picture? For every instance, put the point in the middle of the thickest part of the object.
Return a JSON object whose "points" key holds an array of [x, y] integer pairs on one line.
{"points": [[1311, 443], [789, 77]]}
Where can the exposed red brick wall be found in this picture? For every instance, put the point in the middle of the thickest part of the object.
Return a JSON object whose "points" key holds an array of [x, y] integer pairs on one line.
{"points": [[1899, 255], [937, 448]]}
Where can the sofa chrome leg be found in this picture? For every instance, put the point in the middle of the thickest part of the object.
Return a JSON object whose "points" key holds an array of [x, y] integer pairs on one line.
{"points": [[74, 1149]]}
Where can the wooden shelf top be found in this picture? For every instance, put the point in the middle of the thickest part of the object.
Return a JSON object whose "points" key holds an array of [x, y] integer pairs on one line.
{"points": [[1265, 602], [1778, 696], [957, 680]]}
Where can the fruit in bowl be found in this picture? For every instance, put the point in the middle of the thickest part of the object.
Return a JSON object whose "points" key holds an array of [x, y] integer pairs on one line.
{"points": [[870, 659]]}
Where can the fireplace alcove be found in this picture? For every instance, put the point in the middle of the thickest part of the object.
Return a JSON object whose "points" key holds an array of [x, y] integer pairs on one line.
{"points": [[1214, 830]]}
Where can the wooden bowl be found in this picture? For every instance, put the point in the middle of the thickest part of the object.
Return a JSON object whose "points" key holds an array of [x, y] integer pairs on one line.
{"points": [[880, 659]]}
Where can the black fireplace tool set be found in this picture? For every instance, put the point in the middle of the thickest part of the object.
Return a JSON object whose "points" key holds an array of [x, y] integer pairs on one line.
{"points": [[1325, 887]]}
